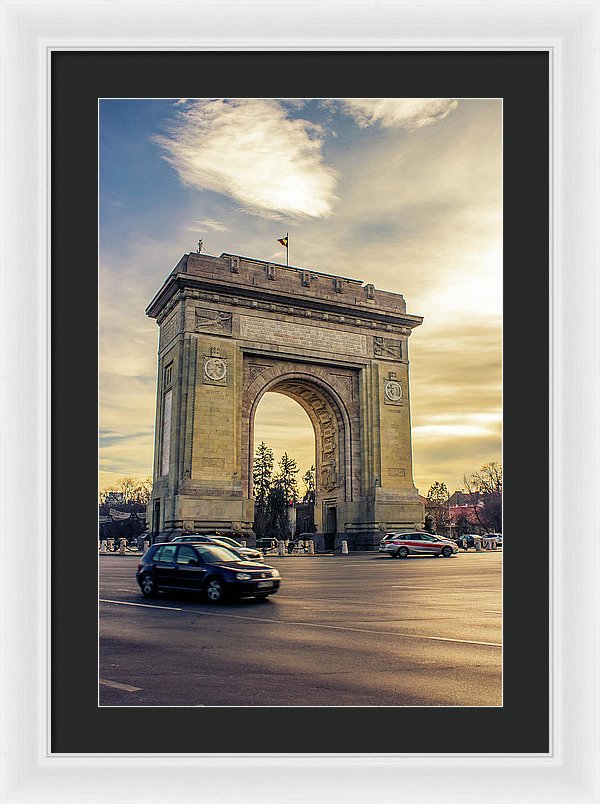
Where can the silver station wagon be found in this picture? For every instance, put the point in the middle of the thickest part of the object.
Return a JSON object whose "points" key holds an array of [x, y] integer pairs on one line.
{"points": [[417, 543]]}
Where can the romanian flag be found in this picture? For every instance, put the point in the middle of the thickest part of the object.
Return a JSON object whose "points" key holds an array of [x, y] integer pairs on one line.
{"points": [[283, 241]]}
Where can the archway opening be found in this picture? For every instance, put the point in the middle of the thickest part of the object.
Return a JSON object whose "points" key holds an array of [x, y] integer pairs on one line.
{"points": [[283, 425]]}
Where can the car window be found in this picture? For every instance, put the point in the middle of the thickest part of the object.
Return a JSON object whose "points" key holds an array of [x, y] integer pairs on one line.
{"points": [[193, 538], [214, 553], [166, 553], [186, 555]]}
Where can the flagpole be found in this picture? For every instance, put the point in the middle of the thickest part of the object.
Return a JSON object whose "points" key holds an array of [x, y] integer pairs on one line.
{"points": [[287, 251]]}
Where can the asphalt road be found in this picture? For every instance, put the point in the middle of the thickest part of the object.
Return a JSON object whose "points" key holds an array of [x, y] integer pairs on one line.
{"points": [[358, 630]]}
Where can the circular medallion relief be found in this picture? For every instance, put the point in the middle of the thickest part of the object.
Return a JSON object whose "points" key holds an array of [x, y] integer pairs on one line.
{"points": [[215, 368], [393, 391]]}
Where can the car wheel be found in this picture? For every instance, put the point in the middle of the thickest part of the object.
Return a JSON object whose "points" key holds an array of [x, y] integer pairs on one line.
{"points": [[447, 552], [148, 587], [402, 552], [214, 591]]}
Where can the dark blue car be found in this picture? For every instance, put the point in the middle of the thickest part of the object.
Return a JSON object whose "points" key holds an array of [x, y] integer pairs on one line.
{"points": [[212, 570]]}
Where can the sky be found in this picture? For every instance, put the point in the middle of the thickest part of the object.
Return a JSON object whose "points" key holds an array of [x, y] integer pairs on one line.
{"points": [[405, 194]]}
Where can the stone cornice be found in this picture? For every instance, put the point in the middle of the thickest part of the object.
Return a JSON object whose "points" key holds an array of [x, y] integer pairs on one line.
{"points": [[180, 286]]}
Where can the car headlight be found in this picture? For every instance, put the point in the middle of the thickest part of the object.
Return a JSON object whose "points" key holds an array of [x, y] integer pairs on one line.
{"points": [[243, 576], [275, 573]]}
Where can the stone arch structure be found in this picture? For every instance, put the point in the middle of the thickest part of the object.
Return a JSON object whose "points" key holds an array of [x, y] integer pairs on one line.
{"points": [[233, 329]]}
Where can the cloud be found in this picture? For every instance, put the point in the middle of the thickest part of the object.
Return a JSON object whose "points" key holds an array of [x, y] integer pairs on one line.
{"points": [[408, 113], [208, 223], [251, 151]]}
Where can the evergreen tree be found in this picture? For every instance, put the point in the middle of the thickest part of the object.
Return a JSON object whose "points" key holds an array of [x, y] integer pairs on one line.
{"points": [[287, 478], [309, 480], [277, 512], [262, 478], [263, 473], [283, 495]]}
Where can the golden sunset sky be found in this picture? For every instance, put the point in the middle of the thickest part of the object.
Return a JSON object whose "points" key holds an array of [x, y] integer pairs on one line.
{"points": [[403, 193]]}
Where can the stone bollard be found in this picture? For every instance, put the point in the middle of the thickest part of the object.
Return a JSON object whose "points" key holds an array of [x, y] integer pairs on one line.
{"points": [[103, 546], [300, 545], [344, 548], [281, 547], [122, 543], [477, 542], [311, 548], [243, 542], [146, 545]]}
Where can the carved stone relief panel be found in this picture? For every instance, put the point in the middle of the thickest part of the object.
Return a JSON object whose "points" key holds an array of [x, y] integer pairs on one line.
{"points": [[212, 321], [253, 370], [397, 471], [387, 348], [347, 383], [392, 390], [214, 368]]}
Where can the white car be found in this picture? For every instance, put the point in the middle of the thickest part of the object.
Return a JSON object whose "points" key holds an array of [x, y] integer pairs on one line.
{"points": [[417, 543], [496, 536]]}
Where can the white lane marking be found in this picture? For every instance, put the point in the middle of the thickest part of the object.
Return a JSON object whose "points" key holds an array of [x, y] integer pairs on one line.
{"points": [[445, 589], [315, 600], [201, 613], [141, 605], [104, 682]]}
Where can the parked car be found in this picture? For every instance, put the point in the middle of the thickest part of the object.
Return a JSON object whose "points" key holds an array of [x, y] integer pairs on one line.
{"points": [[418, 543], [211, 569], [173, 533], [265, 544], [248, 552], [466, 540], [496, 536], [299, 541], [224, 541]]}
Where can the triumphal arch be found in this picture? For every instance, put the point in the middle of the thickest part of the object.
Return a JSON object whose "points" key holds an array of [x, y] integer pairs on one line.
{"points": [[233, 328]]}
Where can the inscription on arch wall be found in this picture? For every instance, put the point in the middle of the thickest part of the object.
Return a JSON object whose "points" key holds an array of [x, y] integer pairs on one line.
{"points": [[305, 336]]}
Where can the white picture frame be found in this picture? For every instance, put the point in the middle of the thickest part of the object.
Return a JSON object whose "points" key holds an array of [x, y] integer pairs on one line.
{"points": [[569, 31]]}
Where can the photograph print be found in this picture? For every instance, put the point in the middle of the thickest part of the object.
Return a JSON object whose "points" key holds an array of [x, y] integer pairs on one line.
{"points": [[300, 423]]}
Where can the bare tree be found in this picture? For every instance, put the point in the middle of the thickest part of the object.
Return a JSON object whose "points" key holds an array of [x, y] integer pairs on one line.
{"points": [[484, 489], [127, 486], [144, 491], [437, 505], [127, 491]]}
